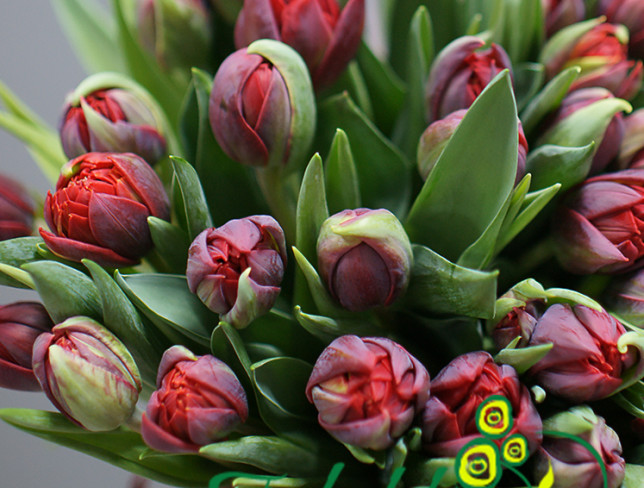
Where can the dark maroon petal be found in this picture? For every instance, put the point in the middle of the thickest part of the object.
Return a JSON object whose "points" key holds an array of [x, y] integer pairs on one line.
{"points": [[256, 21], [17, 377]]}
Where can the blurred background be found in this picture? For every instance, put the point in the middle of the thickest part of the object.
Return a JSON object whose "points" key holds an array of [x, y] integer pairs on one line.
{"points": [[37, 63]]}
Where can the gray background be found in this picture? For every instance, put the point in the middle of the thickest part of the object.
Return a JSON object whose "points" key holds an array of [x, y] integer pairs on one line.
{"points": [[37, 63]]}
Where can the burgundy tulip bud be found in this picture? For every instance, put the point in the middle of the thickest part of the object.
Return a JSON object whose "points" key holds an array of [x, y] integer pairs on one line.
{"points": [[324, 34], [449, 418], [178, 33], [100, 209], [20, 324], [16, 210], [198, 401], [598, 226], [438, 134], [364, 257], [572, 463], [107, 114], [236, 269], [631, 150], [87, 373], [460, 73], [367, 390], [587, 360], [562, 13], [601, 51], [262, 107], [631, 14]]}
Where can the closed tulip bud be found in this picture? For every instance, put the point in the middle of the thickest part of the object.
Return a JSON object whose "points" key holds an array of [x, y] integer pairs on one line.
{"points": [[105, 115], [598, 226], [572, 463], [449, 418], [236, 269], [324, 34], [262, 109], [87, 373], [562, 13], [631, 14], [16, 210], [631, 150], [198, 401], [178, 33], [100, 209], [587, 360], [438, 134], [364, 257], [460, 73], [20, 324], [367, 390], [601, 51]]}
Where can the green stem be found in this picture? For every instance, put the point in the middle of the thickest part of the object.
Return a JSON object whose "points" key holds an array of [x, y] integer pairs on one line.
{"points": [[279, 190]]}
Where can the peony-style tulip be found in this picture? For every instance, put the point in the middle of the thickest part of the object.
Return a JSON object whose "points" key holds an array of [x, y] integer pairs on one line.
{"points": [[87, 373], [572, 463], [256, 107], [20, 324], [100, 209], [460, 73], [598, 226], [367, 390], [324, 34], [631, 14], [449, 418], [601, 51], [16, 209], [562, 13], [178, 33], [198, 401], [103, 115], [438, 134], [236, 269], [364, 257]]}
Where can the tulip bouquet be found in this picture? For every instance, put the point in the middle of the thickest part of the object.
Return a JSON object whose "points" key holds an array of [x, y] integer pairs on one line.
{"points": [[318, 243]]}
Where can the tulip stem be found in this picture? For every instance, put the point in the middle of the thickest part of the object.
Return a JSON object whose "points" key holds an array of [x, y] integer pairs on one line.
{"points": [[280, 191]]}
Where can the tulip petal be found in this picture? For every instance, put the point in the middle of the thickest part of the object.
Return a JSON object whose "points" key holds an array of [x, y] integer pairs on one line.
{"points": [[16, 377], [161, 440], [147, 184], [256, 21]]}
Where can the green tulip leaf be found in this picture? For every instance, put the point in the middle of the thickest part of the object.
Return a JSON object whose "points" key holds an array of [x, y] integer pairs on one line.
{"points": [[412, 121], [341, 177], [64, 291], [91, 33], [522, 359], [384, 174], [13, 254], [168, 303], [327, 329], [633, 476], [548, 99], [438, 286], [312, 208], [517, 25], [188, 199], [528, 78], [170, 245], [268, 453], [353, 83], [473, 176], [121, 448], [559, 164]]}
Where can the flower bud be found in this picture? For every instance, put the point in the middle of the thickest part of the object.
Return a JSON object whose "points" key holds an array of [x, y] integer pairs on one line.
{"points": [[87, 373], [626, 299], [631, 14], [105, 115], [449, 421], [367, 390], [460, 73], [178, 33], [256, 107], [600, 50], [100, 209], [236, 269], [598, 226], [562, 13], [16, 210], [324, 34], [198, 401], [364, 257], [438, 134], [20, 324], [631, 150], [572, 463]]}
